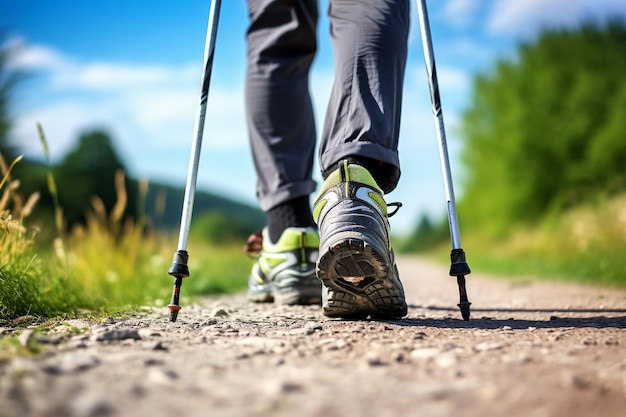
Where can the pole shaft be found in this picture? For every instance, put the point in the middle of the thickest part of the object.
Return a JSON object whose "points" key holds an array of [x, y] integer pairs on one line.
{"points": [[194, 157], [429, 58]]}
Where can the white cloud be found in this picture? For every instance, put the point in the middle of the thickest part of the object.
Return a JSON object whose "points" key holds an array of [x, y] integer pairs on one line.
{"points": [[122, 77], [460, 12], [66, 73], [156, 103], [524, 18], [27, 57], [62, 123], [453, 79], [100, 76]]}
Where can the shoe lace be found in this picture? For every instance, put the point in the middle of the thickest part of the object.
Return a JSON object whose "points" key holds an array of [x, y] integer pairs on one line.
{"points": [[397, 205], [254, 244]]}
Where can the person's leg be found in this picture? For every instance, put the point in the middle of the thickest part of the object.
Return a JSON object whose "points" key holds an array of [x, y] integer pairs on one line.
{"points": [[363, 117], [359, 160], [281, 47]]}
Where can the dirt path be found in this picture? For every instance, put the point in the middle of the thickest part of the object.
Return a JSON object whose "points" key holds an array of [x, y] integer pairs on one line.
{"points": [[535, 349]]}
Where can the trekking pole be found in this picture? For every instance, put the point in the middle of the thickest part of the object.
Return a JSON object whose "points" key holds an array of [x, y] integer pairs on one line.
{"points": [[459, 266], [179, 268]]}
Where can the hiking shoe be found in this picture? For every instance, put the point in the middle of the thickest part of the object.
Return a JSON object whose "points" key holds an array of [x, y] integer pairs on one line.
{"points": [[284, 272], [356, 263]]}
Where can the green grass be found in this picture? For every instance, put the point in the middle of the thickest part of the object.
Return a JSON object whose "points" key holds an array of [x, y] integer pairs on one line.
{"points": [[605, 268], [107, 266], [586, 244], [111, 264]]}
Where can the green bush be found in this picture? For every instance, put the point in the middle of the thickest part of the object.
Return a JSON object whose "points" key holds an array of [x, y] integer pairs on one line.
{"points": [[544, 131]]}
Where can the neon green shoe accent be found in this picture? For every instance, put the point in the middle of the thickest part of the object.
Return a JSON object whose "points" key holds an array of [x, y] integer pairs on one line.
{"points": [[284, 272], [381, 201], [350, 176], [352, 173]]}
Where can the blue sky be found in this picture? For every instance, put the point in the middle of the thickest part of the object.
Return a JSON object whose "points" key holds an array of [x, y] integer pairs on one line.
{"points": [[134, 67]]}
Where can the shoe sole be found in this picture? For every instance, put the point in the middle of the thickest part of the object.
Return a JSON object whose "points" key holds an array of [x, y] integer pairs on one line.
{"points": [[359, 278]]}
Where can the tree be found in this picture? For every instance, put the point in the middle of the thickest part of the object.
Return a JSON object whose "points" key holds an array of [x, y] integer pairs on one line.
{"points": [[88, 171], [545, 130], [426, 235]]}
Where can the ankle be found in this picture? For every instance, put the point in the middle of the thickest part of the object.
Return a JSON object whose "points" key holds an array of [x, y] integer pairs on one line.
{"points": [[292, 213]]}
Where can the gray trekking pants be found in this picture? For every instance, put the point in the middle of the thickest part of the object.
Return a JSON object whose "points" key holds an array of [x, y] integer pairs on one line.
{"points": [[363, 116]]}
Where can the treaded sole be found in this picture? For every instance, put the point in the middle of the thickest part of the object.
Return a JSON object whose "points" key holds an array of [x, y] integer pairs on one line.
{"points": [[359, 282]]}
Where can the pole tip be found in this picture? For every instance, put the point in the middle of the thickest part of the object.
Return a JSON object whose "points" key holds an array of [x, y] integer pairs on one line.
{"points": [[465, 310], [173, 311]]}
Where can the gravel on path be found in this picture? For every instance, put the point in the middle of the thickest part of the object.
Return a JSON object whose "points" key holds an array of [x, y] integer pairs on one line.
{"points": [[531, 349]]}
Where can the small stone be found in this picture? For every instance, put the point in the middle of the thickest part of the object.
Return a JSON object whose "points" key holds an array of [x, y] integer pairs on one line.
{"points": [[153, 362], [160, 346], [219, 312], [70, 364], [91, 405], [20, 366], [278, 361], [287, 387], [424, 353], [302, 332], [340, 344], [77, 324], [589, 341], [578, 381], [445, 361], [373, 359], [487, 346], [162, 376], [26, 337], [145, 333], [48, 340], [313, 325], [116, 335]]}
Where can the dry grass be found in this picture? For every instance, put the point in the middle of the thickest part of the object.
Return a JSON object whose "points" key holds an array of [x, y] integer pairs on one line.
{"points": [[112, 263]]}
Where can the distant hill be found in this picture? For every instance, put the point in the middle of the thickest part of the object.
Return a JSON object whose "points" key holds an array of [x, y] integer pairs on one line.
{"points": [[163, 203]]}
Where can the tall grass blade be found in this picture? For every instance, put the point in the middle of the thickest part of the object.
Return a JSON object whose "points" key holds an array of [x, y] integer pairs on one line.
{"points": [[5, 177], [52, 187]]}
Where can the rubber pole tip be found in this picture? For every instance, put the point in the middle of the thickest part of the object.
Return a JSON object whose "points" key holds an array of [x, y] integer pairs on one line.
{"points": [[465, 310], [173, 311]]}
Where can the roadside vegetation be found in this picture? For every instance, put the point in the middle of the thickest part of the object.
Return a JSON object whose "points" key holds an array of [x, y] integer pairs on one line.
{"points": [[108, 264], [78, 237], [544, 184]]}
